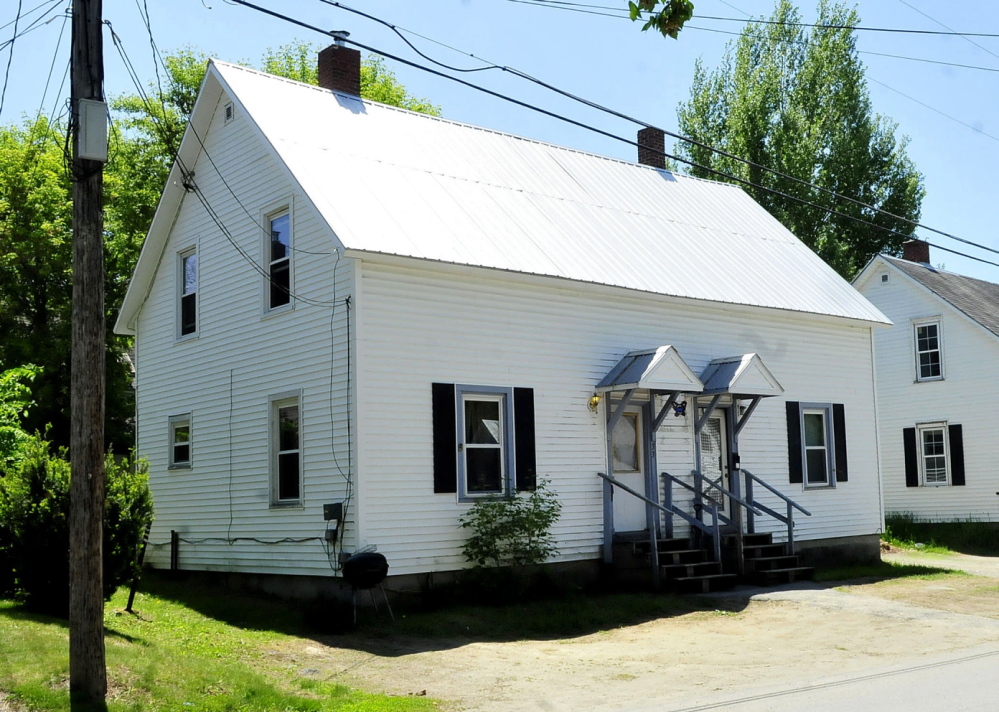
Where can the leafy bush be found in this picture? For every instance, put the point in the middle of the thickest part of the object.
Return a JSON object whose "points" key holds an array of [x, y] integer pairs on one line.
{"points": [[905, 530], [34, 525], [512, 531], [15, 398]]}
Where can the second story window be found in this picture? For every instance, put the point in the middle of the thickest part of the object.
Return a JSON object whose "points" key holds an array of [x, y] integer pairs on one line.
{"points": [[188, 293], [929, 364], [279, 269]]}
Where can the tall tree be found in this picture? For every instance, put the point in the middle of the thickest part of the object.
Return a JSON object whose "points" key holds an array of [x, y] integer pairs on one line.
{"points": [[796, 101]]}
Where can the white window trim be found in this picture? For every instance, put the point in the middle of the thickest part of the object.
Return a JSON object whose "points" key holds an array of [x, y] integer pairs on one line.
{"points": [[275, 402], [826, 410], [505, 398], [186, 252], [276, 210], [926, 321], [921, 455], [173, 422]]}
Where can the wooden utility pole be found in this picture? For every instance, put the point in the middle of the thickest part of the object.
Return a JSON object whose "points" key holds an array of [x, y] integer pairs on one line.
{"points": [[87, 671]]}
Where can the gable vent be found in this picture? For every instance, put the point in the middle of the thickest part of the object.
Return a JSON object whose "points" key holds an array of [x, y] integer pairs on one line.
{"points": [[229, 112]]}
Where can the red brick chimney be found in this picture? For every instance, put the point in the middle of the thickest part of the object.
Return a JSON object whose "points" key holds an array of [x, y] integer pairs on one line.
{"points": [[916, 251], [340, 67], [652, 147]]}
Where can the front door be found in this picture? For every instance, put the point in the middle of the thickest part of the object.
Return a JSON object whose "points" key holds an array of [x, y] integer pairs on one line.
{"points": [[629, 469], [714, 457]]}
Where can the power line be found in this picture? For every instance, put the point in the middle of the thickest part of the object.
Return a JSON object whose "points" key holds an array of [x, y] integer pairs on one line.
{"points": [[10, 57], [615, 137], [679, 137], [590, 9], [189, 183], [933, 19]]}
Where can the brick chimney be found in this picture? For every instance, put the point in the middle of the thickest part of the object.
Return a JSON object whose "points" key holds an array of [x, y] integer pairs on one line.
{"points": [[651, 147], [916, 251], [340, 67]]}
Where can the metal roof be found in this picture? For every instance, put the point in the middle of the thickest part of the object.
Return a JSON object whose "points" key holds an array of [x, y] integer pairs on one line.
{"points": [[660, 369], [395, 182], [977, 298], [744, 375]]}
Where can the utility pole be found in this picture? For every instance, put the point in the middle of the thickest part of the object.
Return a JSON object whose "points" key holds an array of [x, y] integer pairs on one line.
{"points": [[87, 670]]}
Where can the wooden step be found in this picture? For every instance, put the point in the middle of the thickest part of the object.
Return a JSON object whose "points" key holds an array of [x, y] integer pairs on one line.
{"points": [[703, 568], [680, 556], [759, 551], [703, 584], [774, 577], [769, 563]]}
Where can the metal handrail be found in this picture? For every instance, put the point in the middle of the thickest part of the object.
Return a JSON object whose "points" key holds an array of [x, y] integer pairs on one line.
{"points": [[777, 492], [669, 509], [787, 519], [727, 493]]}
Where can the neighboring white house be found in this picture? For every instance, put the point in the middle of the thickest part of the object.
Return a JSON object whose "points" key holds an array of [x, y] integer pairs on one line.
{"points": [[936, 370], [341, 302]]}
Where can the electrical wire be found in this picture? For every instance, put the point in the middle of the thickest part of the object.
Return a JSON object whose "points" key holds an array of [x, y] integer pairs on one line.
{"points": [[573, 122], [48, 79], [10, 57], [589, 9]]}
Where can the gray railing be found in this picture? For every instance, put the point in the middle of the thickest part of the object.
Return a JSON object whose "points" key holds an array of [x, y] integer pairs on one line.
{"points": [[787, 519], [702, 503]]}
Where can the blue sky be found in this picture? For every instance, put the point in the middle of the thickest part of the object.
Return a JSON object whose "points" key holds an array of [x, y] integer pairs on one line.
{"points": [[949, 113]]}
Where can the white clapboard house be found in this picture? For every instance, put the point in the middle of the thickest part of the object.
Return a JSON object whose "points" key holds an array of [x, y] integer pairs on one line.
{"points": [[936, 408], [344, 303]]}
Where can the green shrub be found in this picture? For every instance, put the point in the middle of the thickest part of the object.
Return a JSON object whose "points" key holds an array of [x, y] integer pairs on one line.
{"points": [[512, 531], [34, 525], [905, 530]]}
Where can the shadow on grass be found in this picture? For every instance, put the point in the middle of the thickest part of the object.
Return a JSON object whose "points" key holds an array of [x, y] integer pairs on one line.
{"points": [[435, 622], [16, 611], [881, 571], [965, 537]]}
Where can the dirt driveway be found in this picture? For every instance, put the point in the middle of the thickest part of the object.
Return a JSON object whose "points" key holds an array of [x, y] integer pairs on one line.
{"points": [[762, 639]]}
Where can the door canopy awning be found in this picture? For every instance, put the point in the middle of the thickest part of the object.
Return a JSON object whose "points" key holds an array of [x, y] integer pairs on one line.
{"points": [[660, 369], [743, 376]]}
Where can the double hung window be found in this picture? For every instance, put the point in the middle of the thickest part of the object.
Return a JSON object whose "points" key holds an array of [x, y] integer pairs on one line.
{"points": [[179, 441], [816, 444], [933, 453], [286, 451], [929, 361]]}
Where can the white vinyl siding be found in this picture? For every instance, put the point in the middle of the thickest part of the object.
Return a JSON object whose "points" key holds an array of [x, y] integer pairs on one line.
{"points": [[966, 395], [561, 341], [238, 362]]}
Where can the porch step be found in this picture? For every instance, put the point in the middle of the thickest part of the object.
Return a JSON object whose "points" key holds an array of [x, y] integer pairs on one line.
{"points": [[770, 563], [763, 551], [774, 577], [703, 584], [701, 569]]}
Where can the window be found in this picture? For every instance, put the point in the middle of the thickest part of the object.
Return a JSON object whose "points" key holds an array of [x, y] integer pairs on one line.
{"points": [[279, 252], [929, 366], [286, 470], [816, 444], [180, 441], [626, 443], [188, 315], [815, 441], [483, 440], [934, 455]]}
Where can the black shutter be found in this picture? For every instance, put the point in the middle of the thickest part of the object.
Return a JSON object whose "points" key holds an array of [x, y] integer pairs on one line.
{"points": [[445, 439], [839, 433], [911, 457], [525, 458], [956, 456], [794, 442]]}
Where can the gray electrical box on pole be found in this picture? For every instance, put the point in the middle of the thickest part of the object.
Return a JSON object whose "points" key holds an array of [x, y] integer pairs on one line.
{"points": [[92, 134]]}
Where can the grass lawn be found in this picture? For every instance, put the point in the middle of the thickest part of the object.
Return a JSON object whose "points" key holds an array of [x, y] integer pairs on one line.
{"points": [[170, 656]]}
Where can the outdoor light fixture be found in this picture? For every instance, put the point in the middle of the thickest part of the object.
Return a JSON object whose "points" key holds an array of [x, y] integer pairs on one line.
{"points": [[594, 402]]}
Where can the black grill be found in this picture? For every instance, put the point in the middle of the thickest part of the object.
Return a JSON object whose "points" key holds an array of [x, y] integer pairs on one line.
{"points": [[365, 570]]}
